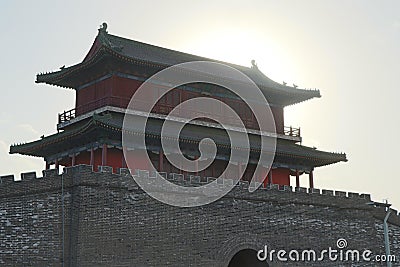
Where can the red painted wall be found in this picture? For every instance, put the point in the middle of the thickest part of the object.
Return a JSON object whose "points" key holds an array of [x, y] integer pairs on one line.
{"points": [[281, 176], [117, 91], [89, 98], [277, 112], [135, 161], [124, 87], [115, 160], [83, 158]]}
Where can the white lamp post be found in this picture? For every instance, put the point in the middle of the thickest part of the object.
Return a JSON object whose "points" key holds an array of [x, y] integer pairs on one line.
{"points": [[385, 228]]}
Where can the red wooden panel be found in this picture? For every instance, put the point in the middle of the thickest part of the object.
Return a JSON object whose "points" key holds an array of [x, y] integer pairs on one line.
{"points": [[135, 161], [125, 87], [277, 112], [281, 176], [83, 158], [114, 158]]}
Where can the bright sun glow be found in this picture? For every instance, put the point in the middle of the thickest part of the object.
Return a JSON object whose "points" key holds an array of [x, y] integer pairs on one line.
{"points": [[240, 47]]}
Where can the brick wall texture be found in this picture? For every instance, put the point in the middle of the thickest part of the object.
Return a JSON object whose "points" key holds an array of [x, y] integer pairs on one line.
{"points": [[86, 218]]}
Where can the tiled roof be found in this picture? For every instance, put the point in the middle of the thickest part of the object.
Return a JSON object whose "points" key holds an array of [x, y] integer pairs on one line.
{"points": [[164, 56], [136, 51], [284, 148]]}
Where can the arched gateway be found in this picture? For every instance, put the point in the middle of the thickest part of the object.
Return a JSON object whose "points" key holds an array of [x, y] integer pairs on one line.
{"points": [[246, 258]]}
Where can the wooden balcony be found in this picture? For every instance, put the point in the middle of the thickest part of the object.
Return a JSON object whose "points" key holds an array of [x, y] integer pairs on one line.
{"points": [[107, 101], [161, 109]]}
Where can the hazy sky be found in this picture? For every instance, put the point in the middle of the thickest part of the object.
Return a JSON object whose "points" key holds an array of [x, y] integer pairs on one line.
{"points": [[350, 50]]}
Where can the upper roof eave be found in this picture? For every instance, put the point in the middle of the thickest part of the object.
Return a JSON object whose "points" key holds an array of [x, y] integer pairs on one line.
{"points": [[52, 77], [135, 51], [108, 121]]}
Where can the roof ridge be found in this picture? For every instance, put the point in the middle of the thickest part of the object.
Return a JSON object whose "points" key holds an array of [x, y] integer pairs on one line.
{"points": [[134, 51], [252, 69], [176, 51]]}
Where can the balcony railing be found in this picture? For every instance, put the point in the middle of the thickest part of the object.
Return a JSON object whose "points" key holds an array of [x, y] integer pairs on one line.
{"points": [[290, 131], [162, 109], [66, 116], [108, 101]]}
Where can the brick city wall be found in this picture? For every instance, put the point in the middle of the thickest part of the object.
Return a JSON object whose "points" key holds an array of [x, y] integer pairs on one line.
{"points": [[105, 219]]}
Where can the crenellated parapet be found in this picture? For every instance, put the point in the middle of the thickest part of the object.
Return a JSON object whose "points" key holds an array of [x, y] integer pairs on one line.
{"points": [[83, 175]]}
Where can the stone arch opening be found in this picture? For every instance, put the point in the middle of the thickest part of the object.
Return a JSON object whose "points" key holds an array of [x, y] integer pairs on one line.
{"points": [[246, 258]]}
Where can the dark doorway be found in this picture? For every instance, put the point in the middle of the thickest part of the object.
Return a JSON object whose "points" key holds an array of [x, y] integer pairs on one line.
{"points": [[246, 258]]}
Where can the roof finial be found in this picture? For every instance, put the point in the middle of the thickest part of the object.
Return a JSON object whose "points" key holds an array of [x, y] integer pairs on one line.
{"points": [[103, 28], [253, 64]]}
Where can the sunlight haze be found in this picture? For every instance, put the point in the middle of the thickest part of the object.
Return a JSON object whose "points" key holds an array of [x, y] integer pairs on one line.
{"points": [[349, 50]]}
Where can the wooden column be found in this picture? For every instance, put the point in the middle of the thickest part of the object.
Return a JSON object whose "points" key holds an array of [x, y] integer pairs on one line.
{"points": [[311, 178], [265, 175], [180, 167], [104, 155], [73, 160], [161, 161], [57, 166], [123, 163], [297, 178], [240, 170], [47, 165], [92, 156], [196, 165], [270, 177]]}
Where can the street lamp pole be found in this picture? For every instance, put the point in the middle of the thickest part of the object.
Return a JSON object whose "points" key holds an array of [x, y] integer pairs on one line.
{"points": [[385, 228], [386, 233]]}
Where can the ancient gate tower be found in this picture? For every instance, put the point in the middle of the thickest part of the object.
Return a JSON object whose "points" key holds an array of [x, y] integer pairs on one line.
{"points": [[95, 214], [110, 74]]}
